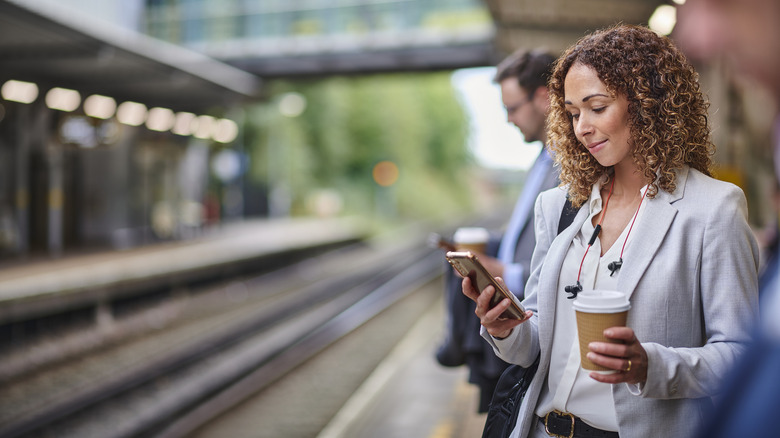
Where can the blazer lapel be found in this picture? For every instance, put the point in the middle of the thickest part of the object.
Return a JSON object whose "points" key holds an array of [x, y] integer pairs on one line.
{"points": [[650, 233], [548, 277]]}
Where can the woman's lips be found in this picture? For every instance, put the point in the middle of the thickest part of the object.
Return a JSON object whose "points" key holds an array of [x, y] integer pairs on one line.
{"points": [[595, 146]]}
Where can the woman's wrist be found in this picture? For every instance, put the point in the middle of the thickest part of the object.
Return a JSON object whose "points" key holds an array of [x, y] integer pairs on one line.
{"points": [[502, 335]]}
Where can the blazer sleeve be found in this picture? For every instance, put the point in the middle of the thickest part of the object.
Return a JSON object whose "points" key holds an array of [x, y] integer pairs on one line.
{"points": [[726, 286], [522, 346]]}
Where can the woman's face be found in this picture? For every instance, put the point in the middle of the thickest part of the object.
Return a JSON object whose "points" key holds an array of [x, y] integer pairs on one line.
{"points": [[599, 118]]}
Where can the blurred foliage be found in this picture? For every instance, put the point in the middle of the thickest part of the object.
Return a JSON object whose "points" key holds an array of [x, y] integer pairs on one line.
{"points": [[204, 21], [351, 124], [458, 19]]}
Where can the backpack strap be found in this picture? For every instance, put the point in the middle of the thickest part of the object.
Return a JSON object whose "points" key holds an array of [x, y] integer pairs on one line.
{"points": [[515, 380], [567, 215]]}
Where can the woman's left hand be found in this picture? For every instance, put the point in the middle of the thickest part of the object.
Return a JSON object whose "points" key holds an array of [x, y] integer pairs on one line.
{"points": [[629, 358]]}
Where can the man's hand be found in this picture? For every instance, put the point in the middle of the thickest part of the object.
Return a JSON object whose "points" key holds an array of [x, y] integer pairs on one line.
{"points": [[492, 264]]}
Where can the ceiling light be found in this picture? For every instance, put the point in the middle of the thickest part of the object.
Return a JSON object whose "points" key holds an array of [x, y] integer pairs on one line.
{"points": [[184, 124], [205, 125], [131, 113], [19, 91], [160, 119], [99, 107], [663, 19], [225, 131], [63, 99]]}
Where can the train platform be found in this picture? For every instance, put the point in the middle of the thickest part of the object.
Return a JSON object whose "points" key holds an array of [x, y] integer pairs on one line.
{"points": [[46, 286], [410, 395]]}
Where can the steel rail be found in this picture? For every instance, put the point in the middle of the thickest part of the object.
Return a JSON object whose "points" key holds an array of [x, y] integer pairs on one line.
{"points": [[205, 396]]}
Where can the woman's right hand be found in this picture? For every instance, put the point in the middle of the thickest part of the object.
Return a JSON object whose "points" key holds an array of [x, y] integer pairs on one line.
{"points": [[490, 318]]}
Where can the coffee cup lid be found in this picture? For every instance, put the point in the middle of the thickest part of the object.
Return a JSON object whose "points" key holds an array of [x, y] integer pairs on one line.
{"points": [[601, 301], [471, 235]]}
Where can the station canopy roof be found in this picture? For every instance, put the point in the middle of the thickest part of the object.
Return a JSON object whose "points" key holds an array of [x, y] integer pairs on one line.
{"points": [[50, 45], [556, 24]]}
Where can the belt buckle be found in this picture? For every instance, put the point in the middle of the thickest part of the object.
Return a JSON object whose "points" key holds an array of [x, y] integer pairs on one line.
{"points": [[560, 414]]}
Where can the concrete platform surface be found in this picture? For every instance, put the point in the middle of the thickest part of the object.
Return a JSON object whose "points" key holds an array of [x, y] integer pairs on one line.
{"points": [[410, 395]]}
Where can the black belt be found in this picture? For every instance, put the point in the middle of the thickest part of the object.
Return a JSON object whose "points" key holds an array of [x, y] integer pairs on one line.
{"points": [[566, 425]]}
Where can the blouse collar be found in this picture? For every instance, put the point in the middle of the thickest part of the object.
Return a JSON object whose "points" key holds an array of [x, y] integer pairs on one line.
{"points": [[595, 202]]}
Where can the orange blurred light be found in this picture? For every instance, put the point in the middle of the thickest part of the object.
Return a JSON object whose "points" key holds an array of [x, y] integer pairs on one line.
{"points": [[385, 173]]}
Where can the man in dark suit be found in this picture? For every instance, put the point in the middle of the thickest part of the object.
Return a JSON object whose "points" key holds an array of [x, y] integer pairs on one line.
{"points": [[747, 34], [523, 80]]}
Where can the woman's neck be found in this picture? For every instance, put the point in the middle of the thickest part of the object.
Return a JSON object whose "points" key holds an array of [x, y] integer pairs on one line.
{"points": [[628, 182]]}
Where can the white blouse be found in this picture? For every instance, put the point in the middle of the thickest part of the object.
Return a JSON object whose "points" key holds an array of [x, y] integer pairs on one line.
{"points": [[569, 388]]}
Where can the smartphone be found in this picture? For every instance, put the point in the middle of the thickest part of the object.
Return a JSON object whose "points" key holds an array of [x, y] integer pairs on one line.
{"points": [[468, 265]]}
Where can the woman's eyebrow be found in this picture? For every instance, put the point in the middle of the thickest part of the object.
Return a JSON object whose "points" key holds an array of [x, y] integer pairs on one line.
{"points": [[586, 98]]}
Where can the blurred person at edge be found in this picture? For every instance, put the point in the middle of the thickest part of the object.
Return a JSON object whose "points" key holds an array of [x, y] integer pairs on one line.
{"points": [[628, 126], [746, 33], [522, 77]]}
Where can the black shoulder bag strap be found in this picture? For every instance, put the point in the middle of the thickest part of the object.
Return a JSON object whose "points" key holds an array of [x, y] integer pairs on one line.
{"points": [[567, 215], [515, 380]]}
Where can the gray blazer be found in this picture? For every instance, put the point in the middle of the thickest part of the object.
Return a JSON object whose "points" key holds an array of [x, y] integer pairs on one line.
{"points": [[692, 280], [526, 240]]}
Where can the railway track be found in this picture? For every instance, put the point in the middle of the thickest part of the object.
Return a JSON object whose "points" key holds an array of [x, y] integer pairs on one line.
{"points": [[226, 345]]}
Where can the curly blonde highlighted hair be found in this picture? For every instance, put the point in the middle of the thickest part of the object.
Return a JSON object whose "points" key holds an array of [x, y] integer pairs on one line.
{"points": [[667, 112]]}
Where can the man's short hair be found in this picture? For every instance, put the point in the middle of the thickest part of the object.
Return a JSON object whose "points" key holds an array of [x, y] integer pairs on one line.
{"points": [[531, 68]]}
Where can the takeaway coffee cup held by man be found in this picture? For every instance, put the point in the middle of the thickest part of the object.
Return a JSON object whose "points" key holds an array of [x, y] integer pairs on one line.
{"points": [[474, 239]]}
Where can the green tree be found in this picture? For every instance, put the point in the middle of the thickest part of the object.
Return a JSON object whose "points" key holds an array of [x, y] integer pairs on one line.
{"points": [[351, 124]]}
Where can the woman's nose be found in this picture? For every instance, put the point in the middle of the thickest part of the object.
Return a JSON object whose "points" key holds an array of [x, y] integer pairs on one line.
{"points": [[582, 126]]}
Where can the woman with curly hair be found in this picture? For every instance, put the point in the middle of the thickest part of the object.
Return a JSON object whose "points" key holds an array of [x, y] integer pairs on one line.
{"points": [[628, 128]]}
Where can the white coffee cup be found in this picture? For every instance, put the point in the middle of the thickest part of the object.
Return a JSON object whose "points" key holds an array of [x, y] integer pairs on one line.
{"points": [[598, 310], [474, 239]]}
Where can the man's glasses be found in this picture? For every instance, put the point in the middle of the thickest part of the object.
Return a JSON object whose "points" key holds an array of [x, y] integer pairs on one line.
{"points": [[514, 108]]}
